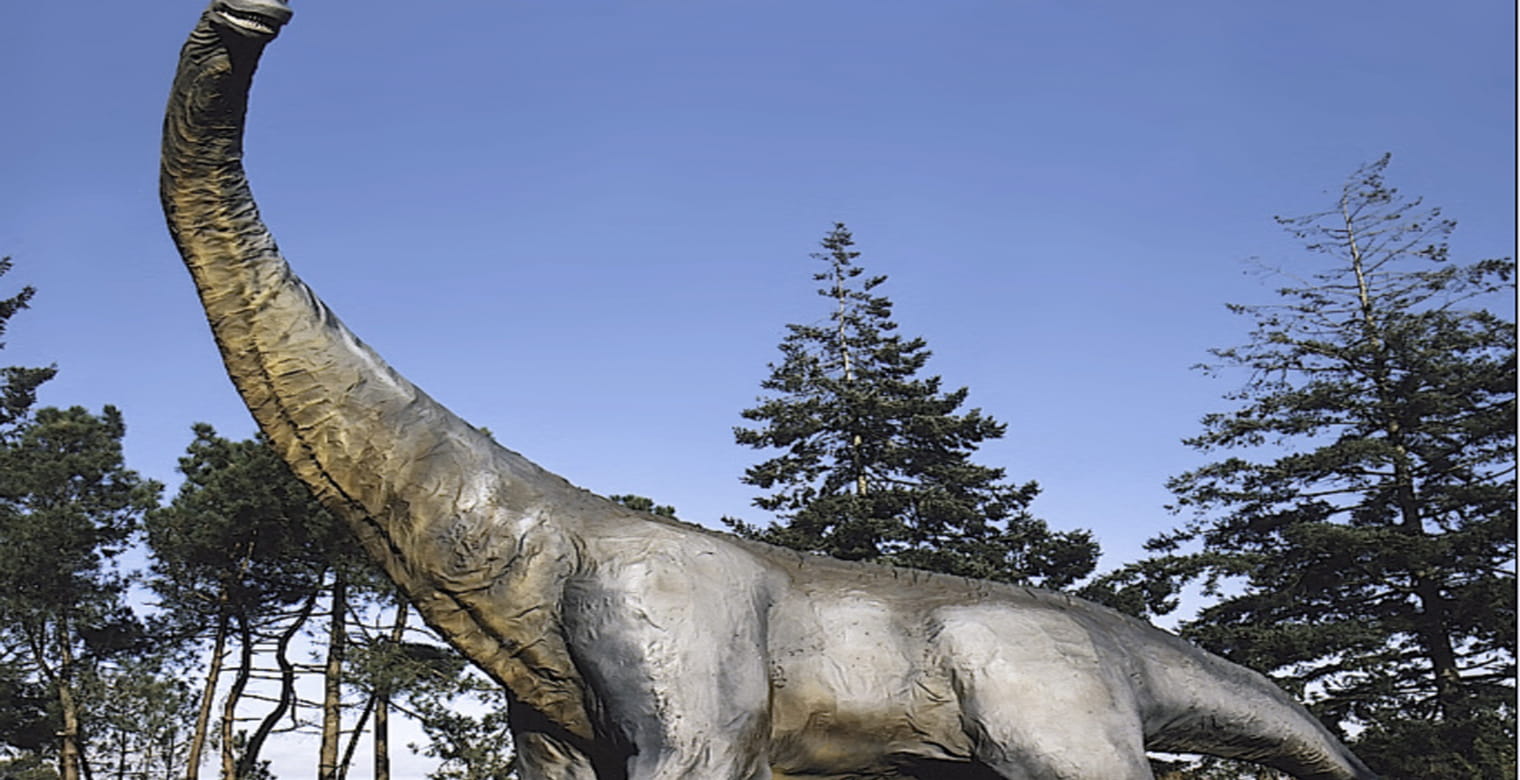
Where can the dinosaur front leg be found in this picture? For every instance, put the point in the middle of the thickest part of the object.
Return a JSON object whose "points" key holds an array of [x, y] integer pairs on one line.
{"points": [[683, 708], [670, 641]]}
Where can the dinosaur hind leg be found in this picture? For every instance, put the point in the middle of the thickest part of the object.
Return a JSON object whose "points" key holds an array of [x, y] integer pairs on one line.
{"points": [[1036, 696]]}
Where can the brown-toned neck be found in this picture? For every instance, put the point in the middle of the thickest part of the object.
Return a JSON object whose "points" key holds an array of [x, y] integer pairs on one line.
{"points": [[302, 374], [416, 483]]}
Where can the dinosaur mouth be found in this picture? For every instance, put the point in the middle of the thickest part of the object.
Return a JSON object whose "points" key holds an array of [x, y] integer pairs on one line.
{"points": [[249, 21]]}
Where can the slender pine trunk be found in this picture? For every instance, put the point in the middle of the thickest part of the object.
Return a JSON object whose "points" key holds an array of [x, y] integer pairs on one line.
{"points": [[353, 737], [842, 343], [249, 760], [383, 738], [69, 755], [229, 707], [84, 765], [121, 754], [208, 695], [332, 714], [383, 704]]}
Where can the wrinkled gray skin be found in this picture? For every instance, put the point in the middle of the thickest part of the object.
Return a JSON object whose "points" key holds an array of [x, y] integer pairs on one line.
{"points": [[639, 648]]}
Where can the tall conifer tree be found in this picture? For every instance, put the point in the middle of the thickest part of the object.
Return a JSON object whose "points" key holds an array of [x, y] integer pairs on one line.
{"points": [[875, 460], [242, 556], [68, 508], [1360, 539], [24, 723]]}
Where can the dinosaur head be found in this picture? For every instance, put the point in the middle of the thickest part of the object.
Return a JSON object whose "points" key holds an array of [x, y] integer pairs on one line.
{"points": [[258, 20]]}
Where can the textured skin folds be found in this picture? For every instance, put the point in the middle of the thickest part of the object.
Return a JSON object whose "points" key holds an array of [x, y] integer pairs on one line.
{"points": [[634, 647]]}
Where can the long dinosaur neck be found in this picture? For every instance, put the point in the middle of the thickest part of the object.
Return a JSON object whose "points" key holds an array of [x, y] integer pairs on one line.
{"points": [[344, 421], [432, 499]]}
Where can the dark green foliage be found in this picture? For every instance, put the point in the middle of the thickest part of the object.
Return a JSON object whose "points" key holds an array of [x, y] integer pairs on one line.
{"points": [[1477, 746], [141, 718], [68, 508], [26, 724], [18, 386], [25, 721], [1360, 537], [436, 687], [407, 668], [242, 535], [1472, 747], [242, 556], [875, 461], [81, 687], [249, 767], [468, 747], [245, 551], [643, 504], [27, 767]]}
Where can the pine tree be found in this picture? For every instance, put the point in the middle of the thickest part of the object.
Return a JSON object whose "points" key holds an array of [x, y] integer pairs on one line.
{"points": [[1360, 537], [24, 719], [876, 460], [470, 742], [379, 661], [68, 508], [141, 716], [241, 557], [245, 557]]}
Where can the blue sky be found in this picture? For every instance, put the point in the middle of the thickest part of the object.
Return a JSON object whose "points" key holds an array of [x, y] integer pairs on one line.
{"points": [[584, 225]]}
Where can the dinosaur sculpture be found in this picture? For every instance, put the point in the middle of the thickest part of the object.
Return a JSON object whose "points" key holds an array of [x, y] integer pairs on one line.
{"points": [[639, 648]]}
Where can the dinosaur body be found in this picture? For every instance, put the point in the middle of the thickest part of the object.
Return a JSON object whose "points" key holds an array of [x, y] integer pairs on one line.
{"points": [[635, 647]]}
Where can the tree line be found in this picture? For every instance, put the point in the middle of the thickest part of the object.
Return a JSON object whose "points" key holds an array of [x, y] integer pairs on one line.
{"points": [[1353, 536], [192, 660]]}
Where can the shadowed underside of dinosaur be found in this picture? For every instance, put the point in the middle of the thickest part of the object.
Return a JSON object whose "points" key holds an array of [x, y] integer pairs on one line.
{"points": [[639, 648]]}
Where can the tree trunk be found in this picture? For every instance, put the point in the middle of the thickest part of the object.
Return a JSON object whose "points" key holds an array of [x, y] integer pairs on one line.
{"points": [[383, 705], [1431, 624], [208, 697], [353, 737], [69, 757], [229, 707], [332, 714], [383, 738], [249, 760], [843, 344], [121, 755]]}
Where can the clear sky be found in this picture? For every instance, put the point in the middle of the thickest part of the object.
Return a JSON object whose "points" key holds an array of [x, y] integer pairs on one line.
{"points": [[584, 224]]}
